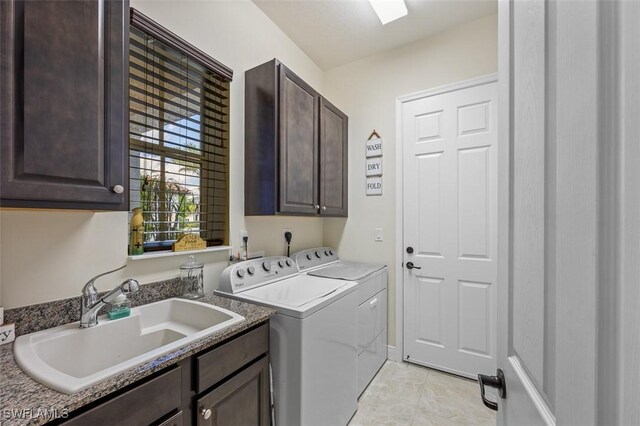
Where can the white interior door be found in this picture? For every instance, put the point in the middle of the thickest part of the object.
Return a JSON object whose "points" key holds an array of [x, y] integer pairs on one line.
{"points": [[449, 139], [557, 243]]}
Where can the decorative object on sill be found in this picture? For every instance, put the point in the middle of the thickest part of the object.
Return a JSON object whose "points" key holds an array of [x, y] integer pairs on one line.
{"points": [[374, 145], [189, 242], [136, 238], [7, 333], [192, 278]]}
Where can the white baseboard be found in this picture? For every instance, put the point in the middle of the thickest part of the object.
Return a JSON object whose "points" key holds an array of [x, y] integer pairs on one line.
{"points": [[393, 353]]}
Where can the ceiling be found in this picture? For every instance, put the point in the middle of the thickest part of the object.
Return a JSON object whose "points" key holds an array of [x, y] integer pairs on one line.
{"points": [[336, 32]]}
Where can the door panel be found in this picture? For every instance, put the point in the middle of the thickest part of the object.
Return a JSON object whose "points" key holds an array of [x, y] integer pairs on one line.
{"points": [[430, 224], [298, 145], [474, 202], [333, 160], [450, 184]]}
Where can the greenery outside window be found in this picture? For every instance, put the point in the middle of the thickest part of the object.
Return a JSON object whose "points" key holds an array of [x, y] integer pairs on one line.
{"points": [[178, 137]]}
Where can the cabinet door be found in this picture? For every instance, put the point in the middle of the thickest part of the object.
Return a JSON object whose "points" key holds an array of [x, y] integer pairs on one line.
{"points": [[333, 160], [242, 400], [298, 115], [64, 103]]}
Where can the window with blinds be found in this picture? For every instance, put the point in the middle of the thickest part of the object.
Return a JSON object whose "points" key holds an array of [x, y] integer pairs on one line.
{"points": [[178, 137]]}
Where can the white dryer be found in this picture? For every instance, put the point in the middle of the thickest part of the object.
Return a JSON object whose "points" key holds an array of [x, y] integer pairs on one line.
{"points": [[323, 262], [312, 338]]}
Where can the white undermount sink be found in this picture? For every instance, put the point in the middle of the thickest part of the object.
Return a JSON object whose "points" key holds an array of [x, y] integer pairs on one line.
{"points": [[70, 359]]}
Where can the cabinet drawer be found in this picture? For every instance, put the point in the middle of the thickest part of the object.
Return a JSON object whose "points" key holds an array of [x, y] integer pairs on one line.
{"points": [[217, 364], [142, 405], [175, 420], [372, 285], [372, 319]]}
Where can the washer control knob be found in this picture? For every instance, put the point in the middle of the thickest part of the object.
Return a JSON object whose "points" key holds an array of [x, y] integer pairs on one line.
{"points": [[308, 257], [281, 263], [251, 270], [240, 273], [330, 252], [326, 253], [266, 266], [289, 262], [318, 254]]}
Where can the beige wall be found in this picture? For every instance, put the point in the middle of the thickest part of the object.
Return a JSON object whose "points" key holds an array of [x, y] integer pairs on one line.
{"points": [[47, 255], [367, 90]]}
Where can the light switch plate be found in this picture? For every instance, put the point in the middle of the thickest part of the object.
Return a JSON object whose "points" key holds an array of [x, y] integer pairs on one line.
{"points": [[7, 333], [378, 235]]}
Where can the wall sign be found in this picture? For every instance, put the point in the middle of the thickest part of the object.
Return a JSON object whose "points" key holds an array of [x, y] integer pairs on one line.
{"points": [[374, 146], [374, 166], [374, 186]]}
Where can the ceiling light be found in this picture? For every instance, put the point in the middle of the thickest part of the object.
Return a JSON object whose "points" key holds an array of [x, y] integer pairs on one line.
{"points": [[389, 10]]}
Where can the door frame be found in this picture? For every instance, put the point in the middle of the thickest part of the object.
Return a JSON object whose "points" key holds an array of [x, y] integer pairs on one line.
{"points": [[397, 353]]}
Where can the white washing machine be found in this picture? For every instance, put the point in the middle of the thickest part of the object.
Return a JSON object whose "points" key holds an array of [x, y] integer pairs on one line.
{"points": [[312, 338], [323, 262]]}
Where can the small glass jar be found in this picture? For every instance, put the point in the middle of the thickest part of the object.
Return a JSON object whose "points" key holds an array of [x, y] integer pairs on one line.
{"points": [[192, 279]]}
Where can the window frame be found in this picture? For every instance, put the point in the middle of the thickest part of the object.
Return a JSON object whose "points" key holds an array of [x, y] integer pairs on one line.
{"points": [[205, 159]]}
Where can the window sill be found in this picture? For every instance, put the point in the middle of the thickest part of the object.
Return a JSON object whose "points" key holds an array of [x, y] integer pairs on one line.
{"points": [[156, 255]]}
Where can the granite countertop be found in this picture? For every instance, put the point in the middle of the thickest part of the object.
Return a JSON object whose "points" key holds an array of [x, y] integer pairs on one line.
{"points": [[24, 401]]}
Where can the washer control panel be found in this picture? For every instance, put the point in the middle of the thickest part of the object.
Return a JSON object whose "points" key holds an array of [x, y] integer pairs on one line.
{"points": [[314, 257], [252, 273]]}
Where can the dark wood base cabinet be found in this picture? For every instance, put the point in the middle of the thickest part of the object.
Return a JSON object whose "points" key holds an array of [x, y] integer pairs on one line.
{"points": [[225, 385]]}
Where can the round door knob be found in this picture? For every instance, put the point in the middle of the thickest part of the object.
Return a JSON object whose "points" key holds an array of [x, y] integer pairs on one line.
{"points": [[118, 189], [251, 270], [324, 207], [240, 273], [206, 413], [266, 266], [317, 206]]}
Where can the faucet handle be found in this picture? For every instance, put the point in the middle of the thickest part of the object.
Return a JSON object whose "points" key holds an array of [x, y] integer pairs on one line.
{"points": [[105, 273]]}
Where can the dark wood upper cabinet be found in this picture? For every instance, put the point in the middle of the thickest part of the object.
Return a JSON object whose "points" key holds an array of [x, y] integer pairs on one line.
{"points": [[334, 128], [64, 96], [295, 146], [298, 145]]}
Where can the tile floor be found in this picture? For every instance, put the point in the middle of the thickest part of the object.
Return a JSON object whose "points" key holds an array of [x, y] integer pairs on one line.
{"points": [[407, 394]]}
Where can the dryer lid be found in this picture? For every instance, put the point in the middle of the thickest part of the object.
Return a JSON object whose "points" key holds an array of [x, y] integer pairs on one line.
{"points": [[351, 271]]}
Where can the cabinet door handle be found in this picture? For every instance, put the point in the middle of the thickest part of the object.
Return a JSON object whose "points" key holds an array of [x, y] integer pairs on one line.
{"points": [[205, 412], [324, 207], [317, 206], [118, 189]]}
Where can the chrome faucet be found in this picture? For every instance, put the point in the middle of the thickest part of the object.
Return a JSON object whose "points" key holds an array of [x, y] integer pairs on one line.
{"points": [[91, 304]]}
